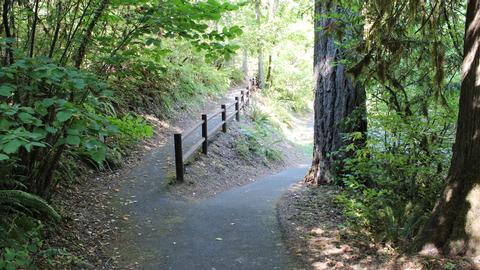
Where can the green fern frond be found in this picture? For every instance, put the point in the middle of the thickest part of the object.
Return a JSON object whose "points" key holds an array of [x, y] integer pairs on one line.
{"points": [[11, 183], [27, 200]]}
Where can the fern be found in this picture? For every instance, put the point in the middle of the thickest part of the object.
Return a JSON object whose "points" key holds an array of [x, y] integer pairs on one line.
{"points": [[28, 201], [12, 184]]}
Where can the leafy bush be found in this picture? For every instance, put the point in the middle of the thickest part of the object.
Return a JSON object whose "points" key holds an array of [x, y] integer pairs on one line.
{"points": [[392, 183], [45, 109], [22, 247]]}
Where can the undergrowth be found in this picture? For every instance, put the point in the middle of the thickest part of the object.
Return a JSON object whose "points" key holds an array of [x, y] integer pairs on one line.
{"points": [[391, 183], [258, 139]]}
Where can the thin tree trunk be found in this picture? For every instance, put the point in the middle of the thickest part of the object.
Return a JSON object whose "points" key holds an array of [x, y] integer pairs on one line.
{"points": [[57, 30], [7, 5], [337, 99], [269, 71], [82, 50], [271, 16], [34, 29], [245, 63], [261, 72], [454, 225]]}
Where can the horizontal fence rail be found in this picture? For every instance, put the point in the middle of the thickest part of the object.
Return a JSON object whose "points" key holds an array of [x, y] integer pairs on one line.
{"points": [[183, 155]]}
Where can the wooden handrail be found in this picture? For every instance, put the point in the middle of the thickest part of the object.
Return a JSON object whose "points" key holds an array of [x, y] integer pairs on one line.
{"points": [[192, 149], [214, 114], [215, 129], [231, 116], [231, 105], [181, 157], [187, 133]]}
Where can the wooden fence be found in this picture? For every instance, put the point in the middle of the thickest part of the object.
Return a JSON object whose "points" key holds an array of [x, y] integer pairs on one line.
{"points": [[182, 156]]}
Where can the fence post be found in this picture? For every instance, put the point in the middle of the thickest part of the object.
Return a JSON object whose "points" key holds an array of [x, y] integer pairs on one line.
{"points": [[224, 118], [242, 93], [180, 169], [205, 133], [237, 108], [248, 98]]}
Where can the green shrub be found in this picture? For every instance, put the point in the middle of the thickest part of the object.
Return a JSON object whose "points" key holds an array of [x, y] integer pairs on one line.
{"points": [[391, 184], [237, 76], [44, 110], [22, 247], [131, 128]]}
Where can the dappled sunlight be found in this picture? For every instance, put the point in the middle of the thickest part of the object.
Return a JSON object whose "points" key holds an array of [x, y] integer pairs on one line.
{"points": [[472, 224], [468, 61], [429, 249], [470, 57], [449, 195], [325, 66], [295, 127]]}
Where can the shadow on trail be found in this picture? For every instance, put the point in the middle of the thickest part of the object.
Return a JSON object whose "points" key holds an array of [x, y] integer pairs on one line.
{"points": [[236, 229]]}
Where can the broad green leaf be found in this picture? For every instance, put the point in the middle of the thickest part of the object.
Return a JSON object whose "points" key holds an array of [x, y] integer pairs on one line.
{"points": [[12, 146], [98, 156], [63, 116], [6, 89], [47, 102], [73, 140], [51, 129], [3, 157], [26, 118], [5, 124]]}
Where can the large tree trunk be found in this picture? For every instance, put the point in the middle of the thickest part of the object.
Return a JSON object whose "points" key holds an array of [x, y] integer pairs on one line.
{"points": [[337, 97], [454, 226]]}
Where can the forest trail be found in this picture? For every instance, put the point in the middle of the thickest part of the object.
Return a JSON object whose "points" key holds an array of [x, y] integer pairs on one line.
{"points": [[236, 229]]}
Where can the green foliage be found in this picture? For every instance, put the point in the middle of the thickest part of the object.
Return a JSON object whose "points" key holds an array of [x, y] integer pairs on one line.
{"points": [[236, 76], [50, 109], [132, 129], [165, 79], [407, 56], [392, 182], [22, 247], [57, 115], [26, 202], [258, 139]]}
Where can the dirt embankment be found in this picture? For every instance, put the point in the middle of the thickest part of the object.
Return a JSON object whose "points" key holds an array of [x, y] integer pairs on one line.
{"points": [[314, 230]]}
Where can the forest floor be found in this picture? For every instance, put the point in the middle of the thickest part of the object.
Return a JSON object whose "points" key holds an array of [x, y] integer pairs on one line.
{"points": [[315, 232], [100, 209]]}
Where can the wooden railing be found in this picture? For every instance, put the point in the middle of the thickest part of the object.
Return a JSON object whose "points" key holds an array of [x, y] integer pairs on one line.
{"points": [[182, 156]]}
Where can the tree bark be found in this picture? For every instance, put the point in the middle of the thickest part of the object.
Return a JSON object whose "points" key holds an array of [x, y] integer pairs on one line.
{"points": [[337, 99], [269, 71], [8, 59], [261, 72], [454, 225], [245, 63], [34, 29], [82, 50]]}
